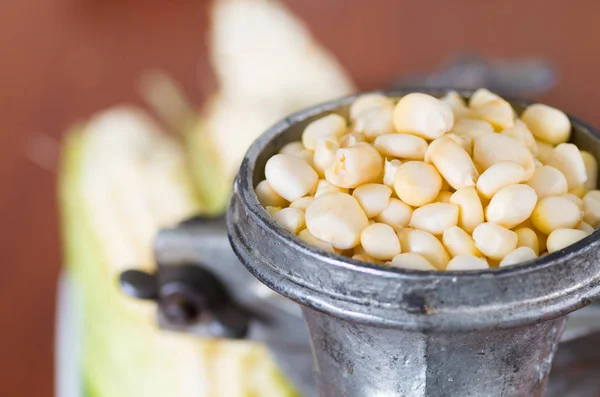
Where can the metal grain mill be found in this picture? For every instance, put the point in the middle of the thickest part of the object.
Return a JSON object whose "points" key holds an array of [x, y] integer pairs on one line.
{"points": [[372, 330]]}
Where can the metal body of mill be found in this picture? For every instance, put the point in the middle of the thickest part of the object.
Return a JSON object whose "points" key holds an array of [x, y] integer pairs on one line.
{"points": [[339, 327]]}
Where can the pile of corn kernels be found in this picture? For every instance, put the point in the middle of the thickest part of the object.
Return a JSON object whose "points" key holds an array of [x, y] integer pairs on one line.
{"points": [[435, 184]]}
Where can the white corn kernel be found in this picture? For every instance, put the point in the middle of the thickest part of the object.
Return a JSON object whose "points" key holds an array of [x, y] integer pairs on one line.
{"points": [[490, 149], [578, 190], [511, 205], [324, 154], [354, 166], [562, 238], [372, 114], [366, 258], [330, 126], [470, 208], [373, 198], [553, 212], [482, 96], [397, 214], [497, 112], [272, 210], [521, 133], [412, 261], [548, 181], [324, 186], [352, 139], [528, 238], [464, 141], [404, 146], [467, 262], [472, 128], [292, 219], [494, 241], [435, 217], [403, 237], [427, 245], [585, 227], [417, 183], [591, 170], [389, 171], [591, 208], [292, 147], [443, 197], [366, 102], [269, 197], [302, 203], [566, 157], [519, 255], [544, 150], [423, 115], [452, 162], [456, 103], [458, 242], [337, 219], [498, 176], [380, 241], [297, 149], [290, 176], [575, 199], [547, 123], [309, 238]]}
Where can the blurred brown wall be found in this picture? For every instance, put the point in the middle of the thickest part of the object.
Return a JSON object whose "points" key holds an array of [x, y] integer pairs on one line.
{"points": [[60, 60]]}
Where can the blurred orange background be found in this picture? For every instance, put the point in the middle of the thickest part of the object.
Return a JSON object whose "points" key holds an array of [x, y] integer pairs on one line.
{"points": [[64, 59]]}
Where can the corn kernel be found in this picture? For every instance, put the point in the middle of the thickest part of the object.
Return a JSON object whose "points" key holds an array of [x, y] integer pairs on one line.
{"points": [[497, 112], [309, 238], [452, 162], [417, 183], [269, 197], [324, 186], [521, 133], [354, 166], [435, 217], [548, 181], [330, 126], [403, 146], [380, 241], [527, 237], [458, 242], [547, 123], [292, 219], [494, 241], [520, 254], [591, 170], [499, 176], [423, 115], [562, 238], [591, 208], [397, 214], [482, 96], [337, 219], [470, 208], [553, 213], [373, 198], [467, 262], [427, 245], [389, 171], [324, 154], [302, 203], [412, 261], [567, 158], [490, 149], [290, 177]]}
